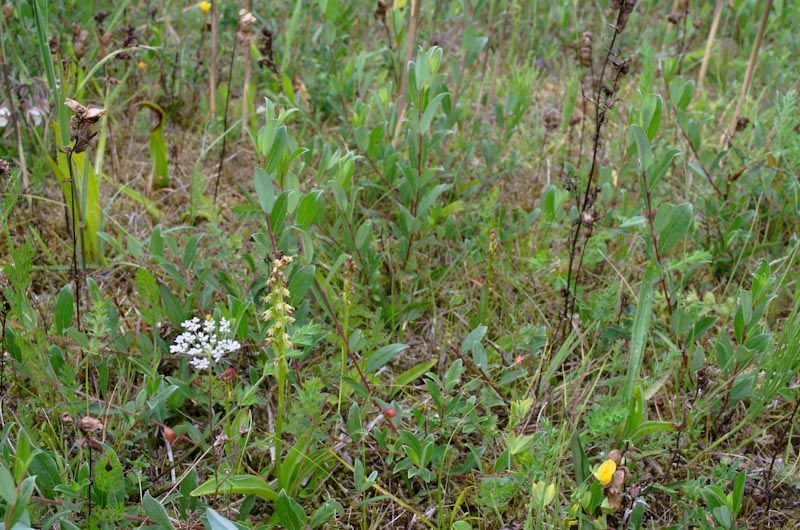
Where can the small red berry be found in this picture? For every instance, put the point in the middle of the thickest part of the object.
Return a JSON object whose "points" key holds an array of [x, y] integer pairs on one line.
{"points": [[170, 435], [389, 413]]}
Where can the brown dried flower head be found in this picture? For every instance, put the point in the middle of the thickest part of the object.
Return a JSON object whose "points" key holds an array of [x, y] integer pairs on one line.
{"points": [[81, 124], [625, 8], [267, 52], [80, 41], [381, 9], [586, 49], [89, 424]]}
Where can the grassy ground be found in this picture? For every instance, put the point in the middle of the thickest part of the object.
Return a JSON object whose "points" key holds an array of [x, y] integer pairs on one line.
{"points": [[466, 264]]}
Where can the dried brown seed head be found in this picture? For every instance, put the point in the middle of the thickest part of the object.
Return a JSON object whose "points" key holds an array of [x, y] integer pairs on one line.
{"points": [[675, 17], [586, 49], [381, 9], [89, 425]]}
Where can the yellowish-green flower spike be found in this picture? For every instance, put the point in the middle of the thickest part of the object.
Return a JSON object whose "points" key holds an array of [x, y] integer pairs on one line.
{"points": [[278, 311], [605, 472]]}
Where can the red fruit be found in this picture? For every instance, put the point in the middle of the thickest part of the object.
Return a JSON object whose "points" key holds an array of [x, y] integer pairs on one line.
{"points": [[229, 375], [389, 413], [170, 435]]}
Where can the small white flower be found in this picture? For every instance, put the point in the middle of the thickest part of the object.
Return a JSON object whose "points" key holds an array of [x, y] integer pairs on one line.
{"points": [[204, 341], [199, 363], [36, 115], [5, 115]]}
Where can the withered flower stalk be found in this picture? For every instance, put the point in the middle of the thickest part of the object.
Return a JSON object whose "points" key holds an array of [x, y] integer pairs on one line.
{"points": [[245, 35], [81, 135], [604, 97]]}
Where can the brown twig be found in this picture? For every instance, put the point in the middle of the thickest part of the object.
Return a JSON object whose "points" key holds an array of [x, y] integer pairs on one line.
{"points": [[212, 67], [602, 104], [748, 75], [225, 122], [768, 476], [248, 71], [411, 38], [650, 214], [712, 33]]}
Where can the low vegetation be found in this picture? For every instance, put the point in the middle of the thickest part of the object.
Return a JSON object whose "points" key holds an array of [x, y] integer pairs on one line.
{"points": [[466, 264]]}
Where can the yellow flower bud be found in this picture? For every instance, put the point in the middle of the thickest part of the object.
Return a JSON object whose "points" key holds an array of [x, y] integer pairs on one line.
{"points": [[605, 472], [205, 7], [141, 65]]}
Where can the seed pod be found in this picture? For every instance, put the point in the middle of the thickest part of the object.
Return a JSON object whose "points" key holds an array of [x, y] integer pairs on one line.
{"points": [[54, 44], [81, 124], [381, 10], [586, 49], [246, 22], [742, 123], [89, 425], [94, 443], [100, 16], [267, 53], [551, 119], [625, 8], [80, 41], [674, 17]]}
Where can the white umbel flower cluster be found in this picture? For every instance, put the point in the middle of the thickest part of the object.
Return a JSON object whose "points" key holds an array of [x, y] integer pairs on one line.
{"points": [[204, 341]]}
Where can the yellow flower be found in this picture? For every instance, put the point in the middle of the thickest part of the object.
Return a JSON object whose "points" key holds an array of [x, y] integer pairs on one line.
{"points": [[141, 65], [399, 4], [205, 7], [605, 472]]}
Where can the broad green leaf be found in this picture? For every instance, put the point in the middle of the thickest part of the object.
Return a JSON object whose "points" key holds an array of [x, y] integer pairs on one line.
{"points": [[651, 427], [641, 326], [474, 337], [237, 485], [290, 514], [430, 111], [308, 209], [650, 115], [158, 147], [325, 513], [579, 460], [218, 522], [278, 213], [264, 189], [299, 284], [638, 137], [672, 224], [65, 305], [156, 511], [412, 374], [383, 356]]}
